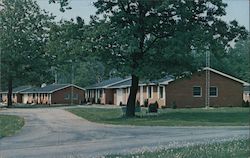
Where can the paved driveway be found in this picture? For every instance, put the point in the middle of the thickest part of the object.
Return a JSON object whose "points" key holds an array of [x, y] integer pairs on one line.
{"points": [[55, 133]]}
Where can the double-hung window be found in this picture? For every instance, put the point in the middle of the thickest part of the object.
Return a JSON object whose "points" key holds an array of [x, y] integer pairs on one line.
{"points": [[197, 91]]}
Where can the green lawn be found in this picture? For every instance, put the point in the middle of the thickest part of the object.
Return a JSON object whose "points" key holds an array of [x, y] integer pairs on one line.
{"points": [[9, 125], [232, 149], [169, 117]]}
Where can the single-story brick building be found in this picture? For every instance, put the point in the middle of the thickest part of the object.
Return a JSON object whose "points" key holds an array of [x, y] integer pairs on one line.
{"points": [[225, 90], [116, 91], [16, 94], [54, 94], [51, 94]]}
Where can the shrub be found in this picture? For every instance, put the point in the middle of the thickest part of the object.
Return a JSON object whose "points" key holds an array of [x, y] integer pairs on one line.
{"points": [[120, 104], [137, 106], [174, 106], [164, 107], [157, 105], [145, 103], [137, 103], [98, 101], [153, 107], [245, 103]]}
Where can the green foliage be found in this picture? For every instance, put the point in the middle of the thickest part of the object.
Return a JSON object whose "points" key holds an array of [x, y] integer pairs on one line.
{"points": [[161, 36], [73, 59], [174, 105], [245, 103], [145, 103], [23, 35], [153, 107]]}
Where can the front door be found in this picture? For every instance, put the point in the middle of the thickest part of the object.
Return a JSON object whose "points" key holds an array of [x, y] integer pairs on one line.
{"points": [[119, 96]]}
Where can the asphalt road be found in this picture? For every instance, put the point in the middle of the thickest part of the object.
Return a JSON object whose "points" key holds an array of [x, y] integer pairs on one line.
{"points": [[55, 133]]}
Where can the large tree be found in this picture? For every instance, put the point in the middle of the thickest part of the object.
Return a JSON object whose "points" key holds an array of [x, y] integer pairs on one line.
{"points": [[152, 38], [23, 35]]}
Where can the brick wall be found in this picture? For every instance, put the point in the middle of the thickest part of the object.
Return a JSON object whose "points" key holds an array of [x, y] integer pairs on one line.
{"points": [[58, 97], [181, 91]]}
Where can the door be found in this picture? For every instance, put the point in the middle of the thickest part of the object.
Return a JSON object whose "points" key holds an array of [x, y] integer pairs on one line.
{"points": [[119, 96]]}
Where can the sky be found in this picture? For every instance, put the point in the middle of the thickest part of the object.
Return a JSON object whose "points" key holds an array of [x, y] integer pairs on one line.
{"points": [[236, 10]]}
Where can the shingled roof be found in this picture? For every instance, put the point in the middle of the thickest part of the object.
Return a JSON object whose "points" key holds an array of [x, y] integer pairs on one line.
{"points": [[107, 83], [18, 89], [49, 88], [127, 83]]}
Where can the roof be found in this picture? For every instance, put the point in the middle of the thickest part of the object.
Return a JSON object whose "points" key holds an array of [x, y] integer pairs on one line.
{"points": [[49, 88], [127, 83], [227, 76], [246, 88], [18, 89], [107, 83]]}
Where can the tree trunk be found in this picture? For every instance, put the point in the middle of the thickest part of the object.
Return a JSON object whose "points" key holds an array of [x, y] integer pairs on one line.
{"points": [[9, 92], [130, 112]]}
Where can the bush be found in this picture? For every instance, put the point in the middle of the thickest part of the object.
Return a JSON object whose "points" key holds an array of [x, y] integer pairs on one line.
{"points": [[120, 104], [98, 101], [145, 103], [245, 103], [164, 107], [137, 103], [137, 106], [174, 106], [152, 108]]}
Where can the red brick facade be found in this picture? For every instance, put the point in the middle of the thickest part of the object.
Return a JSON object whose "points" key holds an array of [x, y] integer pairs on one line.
{"points": [[180, 91], [60, 96]]}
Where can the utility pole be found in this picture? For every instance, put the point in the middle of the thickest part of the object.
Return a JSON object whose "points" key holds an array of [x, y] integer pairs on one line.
{"points": [[207, 99], [72, 78]]}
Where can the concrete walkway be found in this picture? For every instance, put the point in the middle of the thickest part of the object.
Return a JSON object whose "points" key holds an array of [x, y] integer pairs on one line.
{"points": [[55, 133]]}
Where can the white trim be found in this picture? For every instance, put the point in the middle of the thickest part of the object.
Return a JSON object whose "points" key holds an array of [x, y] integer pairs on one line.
{"points": [[107, 86], [158, 91], [166, 82], [196, 95], [226, 75], [141, 95]]}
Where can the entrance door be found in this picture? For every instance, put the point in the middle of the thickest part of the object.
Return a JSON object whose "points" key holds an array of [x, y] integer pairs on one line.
{"points": [[119, 96]]}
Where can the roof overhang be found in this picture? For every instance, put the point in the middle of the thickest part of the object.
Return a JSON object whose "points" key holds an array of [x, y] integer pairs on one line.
{"points": [[227, 76]]}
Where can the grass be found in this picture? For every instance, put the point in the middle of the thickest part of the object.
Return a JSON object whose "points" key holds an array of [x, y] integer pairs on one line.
{"points": [[169, 117], [10, 124], [232, 149]]}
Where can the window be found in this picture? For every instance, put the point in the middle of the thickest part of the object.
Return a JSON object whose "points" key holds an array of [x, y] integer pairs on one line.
{"points": [[66, 96], [197, 91], [75, 96], [213, 91], [150, 92], [161, 92]]}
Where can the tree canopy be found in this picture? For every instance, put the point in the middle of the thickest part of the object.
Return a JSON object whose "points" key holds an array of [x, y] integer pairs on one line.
{"points": [[149, 39]]}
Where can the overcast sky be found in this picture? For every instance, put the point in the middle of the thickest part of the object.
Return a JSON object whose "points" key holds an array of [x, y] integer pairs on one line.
{"points": [[237, 9]]}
